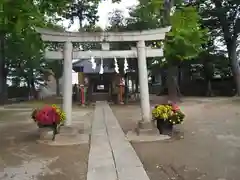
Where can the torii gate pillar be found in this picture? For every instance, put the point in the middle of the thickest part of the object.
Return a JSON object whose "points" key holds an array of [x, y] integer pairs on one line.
{"points": [[143, 81], [67, 82]]}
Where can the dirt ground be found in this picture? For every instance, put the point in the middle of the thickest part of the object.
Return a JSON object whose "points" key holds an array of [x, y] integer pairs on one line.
{"points": [[21, 158], [210, 149]]}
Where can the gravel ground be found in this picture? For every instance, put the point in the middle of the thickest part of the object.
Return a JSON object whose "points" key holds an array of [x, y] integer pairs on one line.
{"points": [[210, 149]]}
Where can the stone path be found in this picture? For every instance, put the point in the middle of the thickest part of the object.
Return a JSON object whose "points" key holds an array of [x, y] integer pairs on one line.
{"points": [[111, 156]]}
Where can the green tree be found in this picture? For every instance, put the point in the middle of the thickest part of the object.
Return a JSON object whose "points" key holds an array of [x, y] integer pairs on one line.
{"points": [[83, 10], [25, 62], [146, 15], [184, 42], [18, 19], [223, 19], [186, 38]]}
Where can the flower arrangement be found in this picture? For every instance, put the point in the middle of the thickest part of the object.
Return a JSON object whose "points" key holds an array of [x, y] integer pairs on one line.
{"points": [[49, 116], [169, 113]]}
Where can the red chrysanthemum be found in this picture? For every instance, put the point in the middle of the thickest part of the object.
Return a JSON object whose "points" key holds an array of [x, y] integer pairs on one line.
{"points": [[47, 116]]}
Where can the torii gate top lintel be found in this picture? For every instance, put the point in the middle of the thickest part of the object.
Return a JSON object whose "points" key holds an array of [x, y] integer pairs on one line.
{"points": [[145, 35]]}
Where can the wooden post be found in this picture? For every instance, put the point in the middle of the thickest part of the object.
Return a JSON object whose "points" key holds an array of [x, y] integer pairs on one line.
{"points": [[81, 84], [126, 88], [121, 88], [82, 94]]}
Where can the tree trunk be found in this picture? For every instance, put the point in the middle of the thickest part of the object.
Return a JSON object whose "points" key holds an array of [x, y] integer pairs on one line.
{"points": [[34, 92], [179, 80], [208, 76], [3, 74], [172, 84], [80, 22], [232, 53], [28, 87], [57, 87], [5, 89], [209, 88], [168, 4], [2, 59]]}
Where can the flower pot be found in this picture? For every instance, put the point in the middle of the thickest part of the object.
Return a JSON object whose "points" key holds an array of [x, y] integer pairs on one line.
{"points": [[164, 126]]}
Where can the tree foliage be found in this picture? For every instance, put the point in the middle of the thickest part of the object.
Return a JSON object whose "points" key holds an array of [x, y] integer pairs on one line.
{"points": [[146, 15], [222, 17], [186, 38], [83, 10], [21, 48], [20, 16]]}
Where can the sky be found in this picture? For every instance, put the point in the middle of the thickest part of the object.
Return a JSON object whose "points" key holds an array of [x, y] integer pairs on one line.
{"points": [[105, 7]]}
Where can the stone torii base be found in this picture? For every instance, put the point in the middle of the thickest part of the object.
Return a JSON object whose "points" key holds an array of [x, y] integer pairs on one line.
{"points": [[68, 136]]}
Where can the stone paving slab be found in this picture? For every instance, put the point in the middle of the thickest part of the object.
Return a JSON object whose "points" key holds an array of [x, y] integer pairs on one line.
{"points": [[134, 173], [111, 155], [128, 164], [106, 174], [101, 164]]}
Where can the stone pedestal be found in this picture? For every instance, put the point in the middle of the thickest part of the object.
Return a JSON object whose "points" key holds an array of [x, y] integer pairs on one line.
{"points": [[149, 132], [67, 136], [146, 135], [45, 134], [144, 125]]}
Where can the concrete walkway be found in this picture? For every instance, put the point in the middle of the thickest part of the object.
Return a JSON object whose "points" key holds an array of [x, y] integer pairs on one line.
{"points": [[111, 156]]}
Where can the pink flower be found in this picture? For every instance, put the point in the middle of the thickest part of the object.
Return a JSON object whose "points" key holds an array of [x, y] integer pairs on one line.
{"points": [[175, 107]]}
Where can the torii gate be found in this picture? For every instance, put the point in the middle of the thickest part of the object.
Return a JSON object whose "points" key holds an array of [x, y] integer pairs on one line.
{"points": [[68, 54]]}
